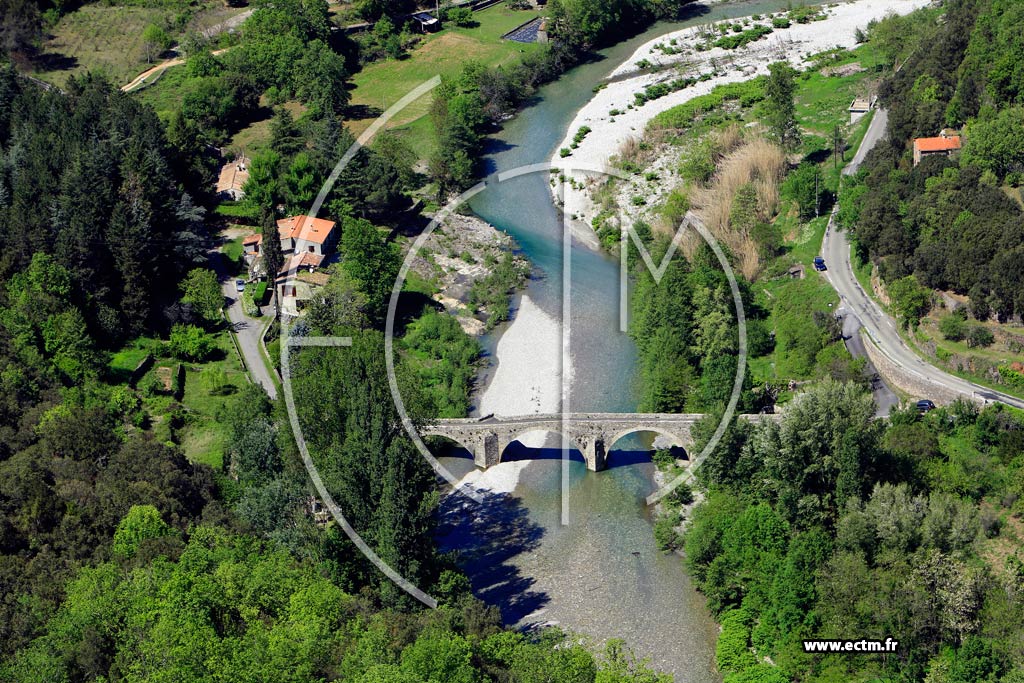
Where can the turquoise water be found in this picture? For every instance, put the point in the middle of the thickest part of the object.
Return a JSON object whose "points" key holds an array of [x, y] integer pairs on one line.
{"points": [[601, 575]]}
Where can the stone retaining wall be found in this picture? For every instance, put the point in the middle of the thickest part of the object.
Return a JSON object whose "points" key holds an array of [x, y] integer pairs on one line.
{"points": [[906, 381]]}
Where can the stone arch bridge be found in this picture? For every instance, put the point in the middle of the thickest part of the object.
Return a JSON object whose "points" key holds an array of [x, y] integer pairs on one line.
{"points": [[593, 434]]}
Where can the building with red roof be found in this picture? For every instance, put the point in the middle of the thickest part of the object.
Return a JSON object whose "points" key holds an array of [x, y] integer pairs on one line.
{"points": [[945, 145]]}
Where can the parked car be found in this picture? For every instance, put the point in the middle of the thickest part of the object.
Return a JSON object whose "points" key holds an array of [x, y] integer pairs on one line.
{"points": [[240, 286], [924, 405], [819, 263]]}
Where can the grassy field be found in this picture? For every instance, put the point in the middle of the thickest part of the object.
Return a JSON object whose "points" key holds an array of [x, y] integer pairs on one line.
{"points": [[256, 136], [108, 39], [822, 100], [196, 423], [792, 301], [379, 85], [165, 93], [208, 389]]}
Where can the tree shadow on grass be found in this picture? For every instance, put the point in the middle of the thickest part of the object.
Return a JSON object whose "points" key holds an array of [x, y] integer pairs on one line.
{"points": [[487, 535], [54, 61]]}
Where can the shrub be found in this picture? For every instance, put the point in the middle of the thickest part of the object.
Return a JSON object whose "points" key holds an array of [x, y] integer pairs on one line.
{"points": [[638, 200], [564, 152], [249, 304], [780, 22], [1012, 377], [682, 116], [142, 523], [191, 343], [910, 301], [804, 186], [676, 205], [979, 337], [665, 535], [260, 292], [748, 36], [681, 495], [953, 327], [732, 652], [663, 459], [805, 15], [460, 16]]}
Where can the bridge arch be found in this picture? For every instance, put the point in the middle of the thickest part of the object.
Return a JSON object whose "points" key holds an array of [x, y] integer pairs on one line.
{"points": [[462, 443], [578, 451], [678, 439]]}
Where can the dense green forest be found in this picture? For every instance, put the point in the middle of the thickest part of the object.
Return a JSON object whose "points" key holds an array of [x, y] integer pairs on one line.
{"points": [[120, 559], [686, 335], [831, 524], [290, 50], [951, 223]]}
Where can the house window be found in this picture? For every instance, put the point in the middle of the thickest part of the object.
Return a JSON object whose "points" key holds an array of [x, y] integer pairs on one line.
{"points": [[311, 249]]}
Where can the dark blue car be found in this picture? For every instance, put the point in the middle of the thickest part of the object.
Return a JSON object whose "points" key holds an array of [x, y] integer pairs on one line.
{"points": [[819, 263]]}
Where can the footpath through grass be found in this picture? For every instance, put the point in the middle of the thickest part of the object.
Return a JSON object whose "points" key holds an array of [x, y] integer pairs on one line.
{"points": [[108, 39]]}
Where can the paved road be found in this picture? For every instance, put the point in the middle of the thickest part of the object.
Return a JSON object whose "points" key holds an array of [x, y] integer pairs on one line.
{"points": [[882, 329], [247, 330]]}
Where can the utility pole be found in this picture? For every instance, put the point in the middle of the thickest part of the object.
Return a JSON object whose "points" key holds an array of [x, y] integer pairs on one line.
{"points": [[817, 196]]}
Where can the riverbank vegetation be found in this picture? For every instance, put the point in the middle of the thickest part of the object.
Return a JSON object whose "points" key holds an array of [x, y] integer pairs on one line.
{"points": [[753, 160], [470, 104], [952, 225], [833, 525]]}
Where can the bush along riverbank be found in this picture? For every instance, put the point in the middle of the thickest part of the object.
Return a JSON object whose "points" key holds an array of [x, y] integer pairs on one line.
{"points": [[470, 268]]}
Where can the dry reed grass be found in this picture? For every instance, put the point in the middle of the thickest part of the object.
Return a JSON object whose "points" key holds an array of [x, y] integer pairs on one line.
{"points": [[757, 162]]}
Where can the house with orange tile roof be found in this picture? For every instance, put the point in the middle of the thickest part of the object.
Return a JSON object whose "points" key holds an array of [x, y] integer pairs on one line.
{"points": [[305, 234], [305, 242], [945, 144]]}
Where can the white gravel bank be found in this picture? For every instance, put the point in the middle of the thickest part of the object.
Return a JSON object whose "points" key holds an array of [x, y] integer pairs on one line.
{"points": [[528, 376], [793, 45]]}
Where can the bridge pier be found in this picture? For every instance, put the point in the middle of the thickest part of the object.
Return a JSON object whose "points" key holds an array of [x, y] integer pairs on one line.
{"points": [[594, 453], [488, 451]]}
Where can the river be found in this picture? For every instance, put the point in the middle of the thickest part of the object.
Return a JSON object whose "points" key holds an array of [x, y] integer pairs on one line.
{"points": [[601, 575]]}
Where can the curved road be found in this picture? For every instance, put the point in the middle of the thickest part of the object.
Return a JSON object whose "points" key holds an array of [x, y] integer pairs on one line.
{"points": [[879, 326]]}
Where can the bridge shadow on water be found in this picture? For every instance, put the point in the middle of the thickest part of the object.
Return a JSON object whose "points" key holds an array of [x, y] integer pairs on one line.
{"points": [[487, 535], [616, 458], [517, 451], [619, 458]]}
